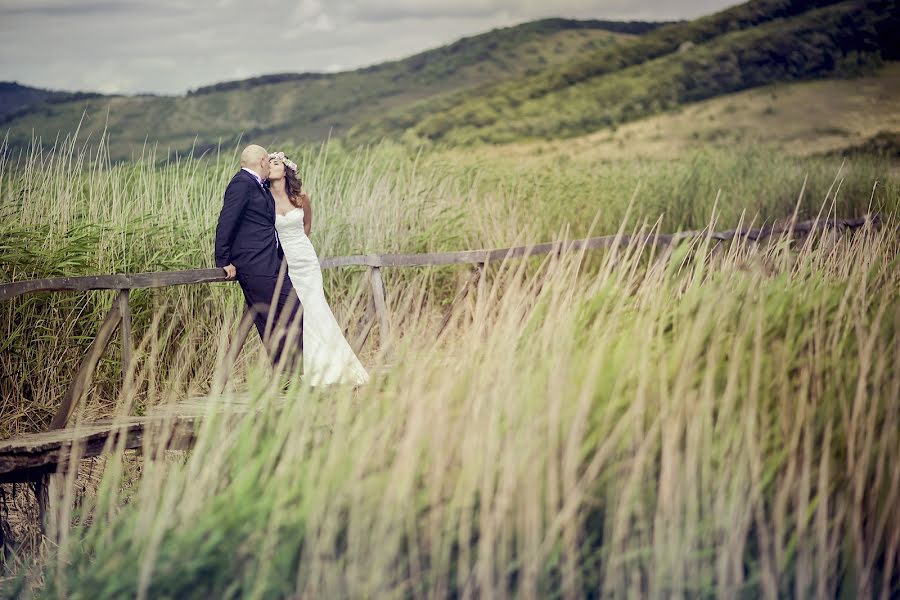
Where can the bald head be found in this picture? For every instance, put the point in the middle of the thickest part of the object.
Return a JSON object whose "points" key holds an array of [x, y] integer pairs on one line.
{"points": [[256, 158]]}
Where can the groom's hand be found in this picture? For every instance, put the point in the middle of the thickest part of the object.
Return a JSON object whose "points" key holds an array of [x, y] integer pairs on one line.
{"points": [[230, 271]]}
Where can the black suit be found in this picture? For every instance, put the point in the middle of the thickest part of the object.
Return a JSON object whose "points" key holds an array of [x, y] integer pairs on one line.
{"points": [[246, 238]]}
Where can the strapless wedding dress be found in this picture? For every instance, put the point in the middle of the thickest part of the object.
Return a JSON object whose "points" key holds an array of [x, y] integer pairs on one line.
{"points": [[327, 357]]}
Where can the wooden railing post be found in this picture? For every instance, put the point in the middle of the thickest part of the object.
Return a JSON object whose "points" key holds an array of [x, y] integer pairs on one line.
{"points": [[480, 284], [380, 303], [237, 343], [367, 323], [49, 488], [82, 379], [125, 309], [45, 488], [473, 278]]}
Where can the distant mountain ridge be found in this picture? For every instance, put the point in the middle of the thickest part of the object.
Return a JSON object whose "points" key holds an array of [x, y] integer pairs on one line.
{"points": [[470, 44], [16, 98]]}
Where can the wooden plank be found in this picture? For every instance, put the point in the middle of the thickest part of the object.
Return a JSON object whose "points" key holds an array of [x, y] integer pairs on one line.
{"points": [[33, 456], [380, 303], [127, 344], [82, 379], [119, 281]]}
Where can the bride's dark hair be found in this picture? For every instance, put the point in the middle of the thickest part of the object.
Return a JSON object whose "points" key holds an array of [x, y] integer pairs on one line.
{"points": [[292, 185]]}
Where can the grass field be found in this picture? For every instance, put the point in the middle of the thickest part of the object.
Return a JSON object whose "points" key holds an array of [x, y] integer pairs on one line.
{"points": [[66, 215], [621, 423]]}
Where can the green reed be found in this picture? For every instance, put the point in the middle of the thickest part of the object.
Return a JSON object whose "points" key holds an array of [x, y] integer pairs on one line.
{"points": [[706, 421]]}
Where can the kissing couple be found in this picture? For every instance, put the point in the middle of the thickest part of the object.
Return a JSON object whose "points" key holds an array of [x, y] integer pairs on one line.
{"points": [[265, 221]]}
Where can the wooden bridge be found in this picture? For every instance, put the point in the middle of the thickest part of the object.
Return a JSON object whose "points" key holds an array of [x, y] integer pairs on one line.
{"points": [[40, 458]]}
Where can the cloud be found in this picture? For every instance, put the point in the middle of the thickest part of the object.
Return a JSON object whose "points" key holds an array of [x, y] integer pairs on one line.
{"points": [[53, 9], [307, 9], [171, 46]]}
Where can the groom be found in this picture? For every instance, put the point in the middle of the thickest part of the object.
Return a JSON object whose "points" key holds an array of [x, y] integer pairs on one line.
{"points": [[247, 248]]}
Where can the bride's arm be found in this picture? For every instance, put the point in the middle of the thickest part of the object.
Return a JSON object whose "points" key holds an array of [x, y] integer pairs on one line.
{"points": [[307, 213]]}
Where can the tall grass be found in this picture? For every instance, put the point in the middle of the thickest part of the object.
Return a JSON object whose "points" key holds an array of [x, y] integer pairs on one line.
{"points": [[69, 210], [714, 421], [701, 423]]}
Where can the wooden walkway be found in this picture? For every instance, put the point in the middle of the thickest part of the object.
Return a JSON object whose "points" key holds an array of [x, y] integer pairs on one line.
{"points": [[31, 457], [171, 426], [36, 457]]}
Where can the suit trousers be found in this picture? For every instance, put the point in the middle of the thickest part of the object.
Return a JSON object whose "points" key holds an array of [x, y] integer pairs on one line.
{"points": [[281, 329]]}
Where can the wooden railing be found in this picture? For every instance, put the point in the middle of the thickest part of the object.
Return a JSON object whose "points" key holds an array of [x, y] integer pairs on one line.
{"points": [[125, 281], [120, 313], [38, 457]]}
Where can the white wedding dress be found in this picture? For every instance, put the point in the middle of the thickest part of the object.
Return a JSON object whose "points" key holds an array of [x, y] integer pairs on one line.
{"points": [[327, 357]]}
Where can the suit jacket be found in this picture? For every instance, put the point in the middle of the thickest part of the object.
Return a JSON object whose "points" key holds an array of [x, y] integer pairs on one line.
{"points": [[245, 234]]}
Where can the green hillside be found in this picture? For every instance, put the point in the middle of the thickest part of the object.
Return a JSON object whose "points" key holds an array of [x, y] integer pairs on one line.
{"points": [[753, 44], [312, 106], [549, 79], [17, 99]]}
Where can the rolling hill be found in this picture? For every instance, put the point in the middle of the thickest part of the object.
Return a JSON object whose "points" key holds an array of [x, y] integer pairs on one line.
{"points": [[823, 116], [748, 46], [312, 106]]}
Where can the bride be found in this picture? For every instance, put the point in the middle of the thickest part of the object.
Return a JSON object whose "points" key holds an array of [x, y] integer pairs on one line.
{"points": [[327, 357]]}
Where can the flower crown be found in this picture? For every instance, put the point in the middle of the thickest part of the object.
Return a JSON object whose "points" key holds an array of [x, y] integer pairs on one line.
{"points": [[287, 162]]}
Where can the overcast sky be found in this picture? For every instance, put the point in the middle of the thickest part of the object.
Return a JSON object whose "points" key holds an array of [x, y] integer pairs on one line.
{"points": [[171, 46]]}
